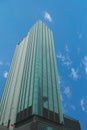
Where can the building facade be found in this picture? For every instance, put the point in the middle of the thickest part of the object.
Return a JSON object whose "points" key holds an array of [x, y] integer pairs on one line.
{"points": [[32, 80], [32, 90]]}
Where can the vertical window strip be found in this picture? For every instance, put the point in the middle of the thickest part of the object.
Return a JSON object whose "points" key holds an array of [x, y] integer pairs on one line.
{"points": [[51, 91], [20, 95], [29, 76], [17, 78], [12, 90], [51, 67], [32, 67], [48, 69], [47, 66], [18, 87], [46, 42], [53, 77], [35, 104], [18, 45], [6, 89], [33, 73], [58, 89], [40, 103], [44, 66], [55, 72], [41, 71], [26, 76], [31, 86], [25, 40], [9, 85], [22, 83]]}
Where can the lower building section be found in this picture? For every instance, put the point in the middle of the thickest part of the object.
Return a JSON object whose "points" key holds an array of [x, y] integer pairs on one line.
{"points": [[38, 123], [26, 120], [26, 113]]}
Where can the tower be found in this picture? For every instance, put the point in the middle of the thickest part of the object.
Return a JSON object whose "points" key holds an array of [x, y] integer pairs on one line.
{"points": [[32, 80], [32, 88]]}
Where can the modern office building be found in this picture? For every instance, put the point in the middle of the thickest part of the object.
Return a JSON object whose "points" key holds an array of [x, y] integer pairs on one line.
{"points": [[31, 98]]}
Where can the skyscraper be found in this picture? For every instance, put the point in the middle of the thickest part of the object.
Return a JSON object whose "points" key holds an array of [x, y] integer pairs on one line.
{"points": [[32, 86]]}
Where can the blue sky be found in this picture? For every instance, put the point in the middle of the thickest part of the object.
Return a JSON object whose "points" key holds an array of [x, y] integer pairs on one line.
{"points": [[68, 21]]}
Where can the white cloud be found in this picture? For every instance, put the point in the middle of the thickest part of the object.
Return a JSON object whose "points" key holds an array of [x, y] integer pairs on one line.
{"points": [[85, 63], [47, 16], [74, 73], [5, 74], [65, 59], [68, 61], [60, 56], [1, 63], [83, 104], [67, 91]]}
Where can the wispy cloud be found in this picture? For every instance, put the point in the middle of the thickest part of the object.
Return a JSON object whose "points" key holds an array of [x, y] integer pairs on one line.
{"points": [[65, 59], [85, 63], [7, 63], [83, 104], [47, 16], [79, 35], [5, 74], [74, 73], [1, 63], [73, 107], [60, 56], [67, 48], [67, 91]]}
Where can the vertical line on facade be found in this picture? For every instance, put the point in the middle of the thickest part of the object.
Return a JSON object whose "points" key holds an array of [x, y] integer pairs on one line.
{"points": [[35, 106], [6, 89], [29, 77], [9, 85], [51, 69], [34, 49], [57, 88], [46, 42]]}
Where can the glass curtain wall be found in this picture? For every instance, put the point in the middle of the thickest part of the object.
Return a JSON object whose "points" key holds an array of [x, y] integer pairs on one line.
{"points": [[32, 81]]}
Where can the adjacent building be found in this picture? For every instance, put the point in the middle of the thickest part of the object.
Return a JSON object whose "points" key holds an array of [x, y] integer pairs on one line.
{"points": [[31, 98]]}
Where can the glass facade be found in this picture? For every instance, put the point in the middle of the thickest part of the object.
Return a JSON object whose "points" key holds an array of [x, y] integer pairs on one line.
{"points": [[32, 81]]}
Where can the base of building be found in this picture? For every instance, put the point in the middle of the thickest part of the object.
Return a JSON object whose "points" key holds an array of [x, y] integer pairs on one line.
{"points": [[3, 128], [39, 123]]}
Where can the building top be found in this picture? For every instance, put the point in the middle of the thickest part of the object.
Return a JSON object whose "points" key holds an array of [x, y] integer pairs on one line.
{"points": [[39, 21]]}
